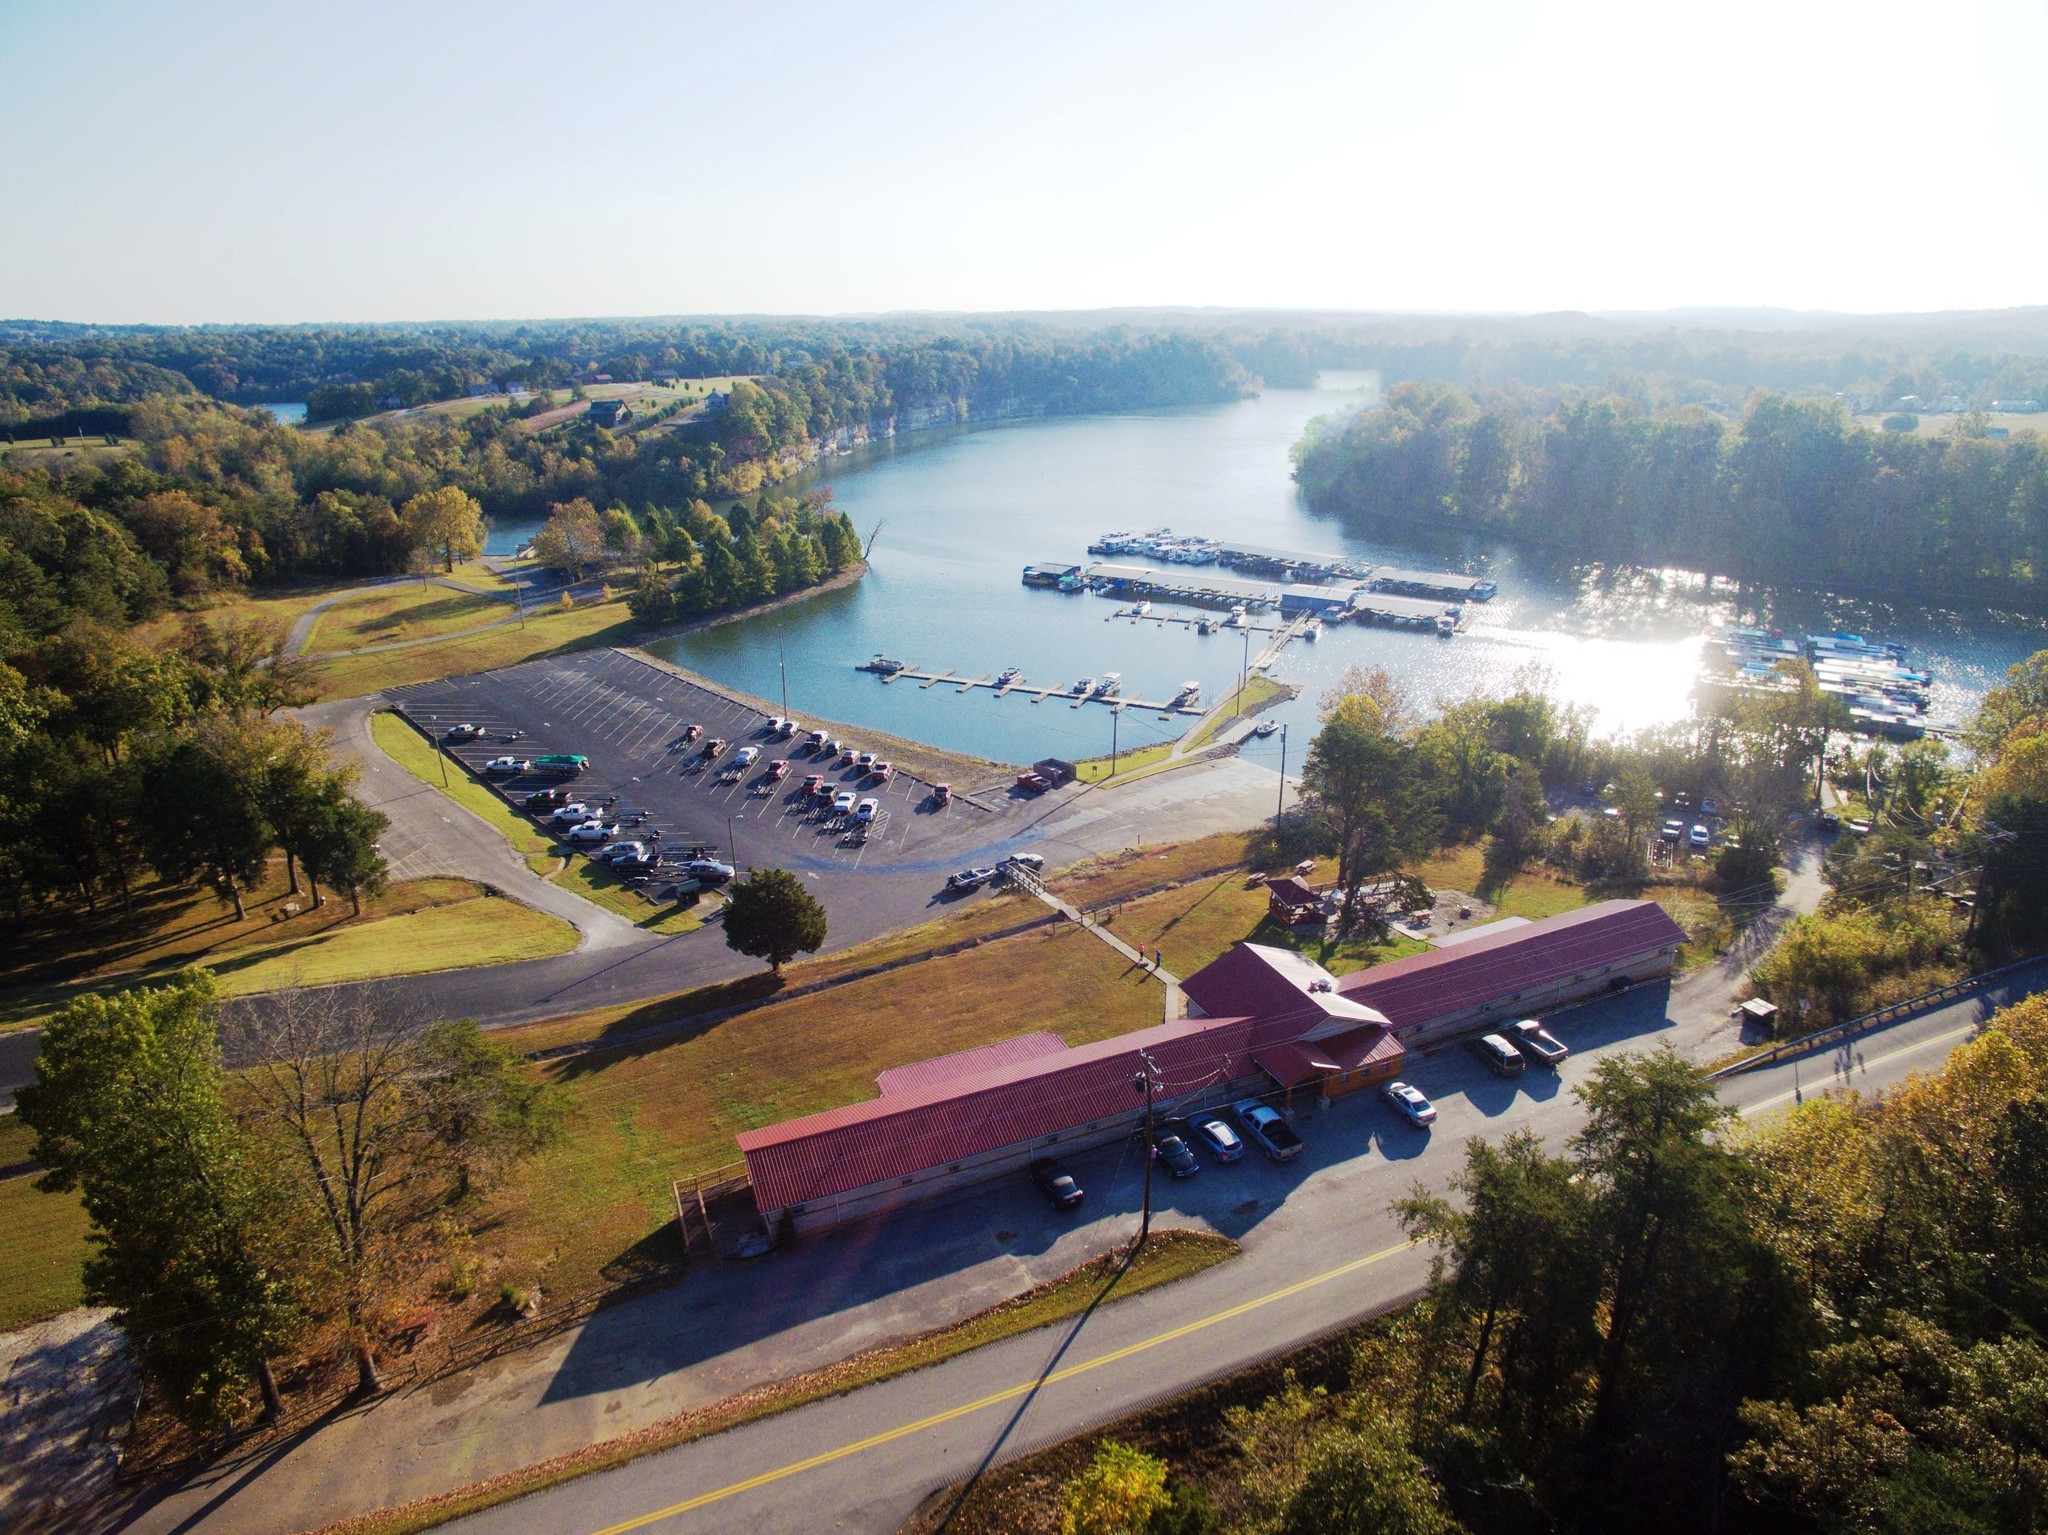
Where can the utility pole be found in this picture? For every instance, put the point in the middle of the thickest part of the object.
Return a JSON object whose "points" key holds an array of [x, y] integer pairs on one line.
{"points": [[1281, 805], [1145, 1082], [731, 847], [1116, 713], [1244, 676], [782, 661]]}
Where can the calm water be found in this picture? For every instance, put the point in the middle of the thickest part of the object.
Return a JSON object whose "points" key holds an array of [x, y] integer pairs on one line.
{"points": [[287, 413], [962, 512]]}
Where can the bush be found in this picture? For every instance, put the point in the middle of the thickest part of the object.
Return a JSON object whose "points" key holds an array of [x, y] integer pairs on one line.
{"points": [[1117, 1494]]}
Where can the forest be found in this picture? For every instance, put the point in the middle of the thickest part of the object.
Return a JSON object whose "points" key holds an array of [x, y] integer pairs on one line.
{"points": [[1789, 491]]}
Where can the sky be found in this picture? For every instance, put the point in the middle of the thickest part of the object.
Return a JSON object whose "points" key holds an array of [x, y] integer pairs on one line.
{"points": [[231, 162]]}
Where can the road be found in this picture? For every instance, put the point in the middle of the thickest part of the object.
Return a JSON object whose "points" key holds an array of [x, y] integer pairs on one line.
{"points": [[871, 1457]]}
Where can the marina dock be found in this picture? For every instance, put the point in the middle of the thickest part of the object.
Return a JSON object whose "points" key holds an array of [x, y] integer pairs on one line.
{"points": [[1041, 692]]}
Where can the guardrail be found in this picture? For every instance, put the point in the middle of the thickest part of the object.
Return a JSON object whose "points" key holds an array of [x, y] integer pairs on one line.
{"points": [[1863, 1023]]}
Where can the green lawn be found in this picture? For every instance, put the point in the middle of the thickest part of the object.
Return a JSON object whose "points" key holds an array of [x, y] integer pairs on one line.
{"points": [[547, 631], [400, 613], [482, 930], [42, 1254], [413, 752], [1260, 691], [1097, 769]]}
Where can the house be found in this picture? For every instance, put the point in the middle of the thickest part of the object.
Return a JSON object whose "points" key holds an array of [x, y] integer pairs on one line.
{"points": [[1261, 1020], [608, 413]]}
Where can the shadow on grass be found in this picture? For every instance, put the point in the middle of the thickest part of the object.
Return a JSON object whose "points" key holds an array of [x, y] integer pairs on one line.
{"points": [[641, 1031]]}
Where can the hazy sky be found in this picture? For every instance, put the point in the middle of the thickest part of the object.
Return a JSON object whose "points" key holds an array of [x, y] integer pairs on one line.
{"points": [[229, 161]]}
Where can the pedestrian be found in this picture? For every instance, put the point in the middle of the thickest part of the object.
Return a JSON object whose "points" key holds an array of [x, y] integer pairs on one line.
{"points": [[1158, 958]]}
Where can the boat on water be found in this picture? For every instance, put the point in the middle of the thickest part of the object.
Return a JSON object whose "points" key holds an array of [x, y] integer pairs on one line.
{"points": [[1189, 692], [1010, 674], [1084, 687], [1205, 626], [886, 665], [1143, 606], [1236, 618], [1446, 625], [1112, 683], [1265, 728], [1313, 630]]}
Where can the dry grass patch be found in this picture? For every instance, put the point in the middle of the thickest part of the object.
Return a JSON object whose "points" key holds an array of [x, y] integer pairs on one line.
{"points": [[547, 631], [1116, 876], [400, 613], [642, 1115]]}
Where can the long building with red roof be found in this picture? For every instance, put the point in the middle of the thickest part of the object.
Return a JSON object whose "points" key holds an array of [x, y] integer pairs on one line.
{"points": [[1262, 1020]]}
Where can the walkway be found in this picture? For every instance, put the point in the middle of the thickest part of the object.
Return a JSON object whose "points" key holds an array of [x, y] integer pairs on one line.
{"points": [[1026, 880]]}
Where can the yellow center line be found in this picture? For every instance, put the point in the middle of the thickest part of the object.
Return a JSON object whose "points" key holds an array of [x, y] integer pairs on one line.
{"points": [[1007, 1394], [1881, 1060]]}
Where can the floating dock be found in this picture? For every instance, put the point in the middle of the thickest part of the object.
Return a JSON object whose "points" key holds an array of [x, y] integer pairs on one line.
{"points": [[1185, 584], [1037, 692], [1430, 583]]}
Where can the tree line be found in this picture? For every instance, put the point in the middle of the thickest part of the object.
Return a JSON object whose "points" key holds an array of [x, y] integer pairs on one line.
{"points": [[1790, 493], [117, 759], [1829, 1323]]}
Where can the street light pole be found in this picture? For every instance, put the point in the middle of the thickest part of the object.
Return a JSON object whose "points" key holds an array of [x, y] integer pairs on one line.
{"points": [[1116, 713], [731, 847], [1282, 802], [782, 661], [1144, 1082], [1244, 676]]}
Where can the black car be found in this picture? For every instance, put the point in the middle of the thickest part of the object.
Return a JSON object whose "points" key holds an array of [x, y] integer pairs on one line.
{"points": [[1175, 1155], [1501, 1058], [1056, 1183], [547, 799]]}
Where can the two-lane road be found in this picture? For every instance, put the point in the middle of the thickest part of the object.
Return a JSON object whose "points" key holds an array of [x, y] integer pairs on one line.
{"points": [[1329, 1254]]}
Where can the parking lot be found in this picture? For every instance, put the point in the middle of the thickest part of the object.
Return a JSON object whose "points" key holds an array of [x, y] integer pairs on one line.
{"points": [[627, 717]]}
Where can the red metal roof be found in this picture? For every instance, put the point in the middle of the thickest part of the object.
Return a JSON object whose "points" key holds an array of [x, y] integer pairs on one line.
{"points": [[1494, 966], [967, 1063], [1291, 1064], [947, 1120]]}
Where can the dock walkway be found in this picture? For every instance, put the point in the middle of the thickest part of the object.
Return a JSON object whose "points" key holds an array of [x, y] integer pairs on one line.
{"points": [[1038, 693]]}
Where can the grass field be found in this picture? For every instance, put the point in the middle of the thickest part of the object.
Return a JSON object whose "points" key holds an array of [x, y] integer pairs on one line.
{"points": [[640, 1116], [1097, 769], [1258, 692], [414, 926], [1115, 876], [1942, 425], [1199, 921], [43, 1254], [597, 884], [547, 631], [400, 613]]}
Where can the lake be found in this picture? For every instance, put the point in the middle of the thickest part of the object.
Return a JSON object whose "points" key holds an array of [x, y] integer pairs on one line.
{"points": [[960, 512]]}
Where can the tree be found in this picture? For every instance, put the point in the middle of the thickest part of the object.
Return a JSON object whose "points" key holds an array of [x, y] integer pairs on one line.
{"points": [[1369, 785], [339, 844], [244, 666], [202, 814], [446, 522], [1362, 1479], [382, 1124], [769, 915], [288, 791], [1116, 1494], [129, 1107], [571, 540]]}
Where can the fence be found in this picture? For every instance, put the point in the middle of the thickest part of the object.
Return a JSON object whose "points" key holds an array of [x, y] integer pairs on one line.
{"points": [[1850, 1028], [695, 1198]]}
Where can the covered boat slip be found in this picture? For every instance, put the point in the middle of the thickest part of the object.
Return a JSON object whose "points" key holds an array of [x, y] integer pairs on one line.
{"points": [[1187, 584]]}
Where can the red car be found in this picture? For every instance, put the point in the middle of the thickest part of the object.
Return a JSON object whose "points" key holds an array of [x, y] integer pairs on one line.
{"points": [[778, 770], [813, 782], [1033, 783]]}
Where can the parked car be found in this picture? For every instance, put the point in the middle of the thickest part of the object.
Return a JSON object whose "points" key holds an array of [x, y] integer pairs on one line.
{"points": [[969, 879], [813, 782], [712, 748], [1710, 806], [1175, 1155], [592, 831], [786, 730], [815, 740], [842, 802], [1033, 783], [747, 756], [774, 725], [1056, 1183], [546, 799], [571, 813], [1699, 836], [618, 852], [778, 770], [562, 764], [848, 756], [1537, 1042], [883, 771], [1214, 1134], [1501, 1058], [710, 871], [1264, 1128], [1673, 831], [865, 761], [1410, 1103], [867, 810], [628, 868], [464, 732], [942, 794], [1029, 861], [505, 767]]}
